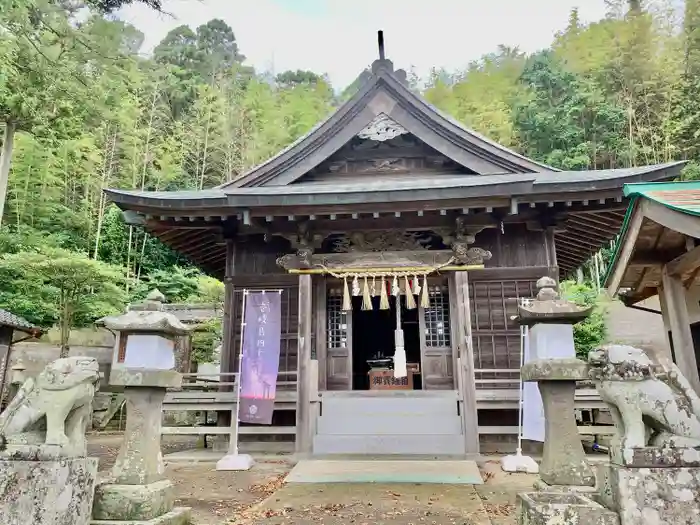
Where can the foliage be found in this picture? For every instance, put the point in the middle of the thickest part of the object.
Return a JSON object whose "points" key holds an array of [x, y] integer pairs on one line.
{"points": [[112, 5], [54, 284], [176, 284], [209, 290], [91, 112], [590, 333], [206, 338]]}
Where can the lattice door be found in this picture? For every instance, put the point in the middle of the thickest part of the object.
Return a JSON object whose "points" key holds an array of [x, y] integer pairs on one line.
{"points": [[338, 341], [436, 341], [495, 335]]}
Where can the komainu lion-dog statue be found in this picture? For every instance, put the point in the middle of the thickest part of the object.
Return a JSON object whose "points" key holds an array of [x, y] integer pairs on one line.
{"points": [[652, 404], [53, 410]]}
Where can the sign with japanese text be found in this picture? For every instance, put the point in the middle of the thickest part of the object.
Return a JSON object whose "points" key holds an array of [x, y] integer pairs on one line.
{"points": [[261, 355]]}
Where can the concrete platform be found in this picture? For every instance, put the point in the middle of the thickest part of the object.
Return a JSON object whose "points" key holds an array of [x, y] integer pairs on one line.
{"points": [[407, 471]]}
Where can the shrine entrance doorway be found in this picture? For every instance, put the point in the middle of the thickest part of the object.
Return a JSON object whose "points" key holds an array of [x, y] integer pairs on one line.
{"points": [[373, 346]]}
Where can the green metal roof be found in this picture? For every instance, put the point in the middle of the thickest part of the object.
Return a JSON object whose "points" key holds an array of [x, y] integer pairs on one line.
{"points": [[679, 196], [683, 197]]}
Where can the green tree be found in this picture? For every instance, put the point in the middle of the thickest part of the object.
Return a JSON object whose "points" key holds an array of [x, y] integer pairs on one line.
{"points": [[176, 284], [205, 338], [567, 120], [590, 333], [66, 286]]}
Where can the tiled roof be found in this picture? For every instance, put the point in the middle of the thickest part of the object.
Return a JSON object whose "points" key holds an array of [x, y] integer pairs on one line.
{"points": [[17, 322]]}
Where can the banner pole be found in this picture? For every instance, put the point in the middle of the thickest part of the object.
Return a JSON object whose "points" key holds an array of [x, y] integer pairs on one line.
{"points": [[518, 462], [240, 371], [523, 342]]}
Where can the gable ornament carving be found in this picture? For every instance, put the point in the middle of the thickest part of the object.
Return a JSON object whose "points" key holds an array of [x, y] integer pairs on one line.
{"points": [[382, 128]]}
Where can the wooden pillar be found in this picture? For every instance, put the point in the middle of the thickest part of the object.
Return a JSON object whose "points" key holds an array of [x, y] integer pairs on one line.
{"points": [[676, 310], [321, 318], [466, 379], [228, 350], [5, 344], [303, 426]]}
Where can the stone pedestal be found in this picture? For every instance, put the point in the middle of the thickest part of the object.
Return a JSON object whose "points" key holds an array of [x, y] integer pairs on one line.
{"points": [[536, 508], [137, 490], [51, 492], [652, 485], [563, 460]]}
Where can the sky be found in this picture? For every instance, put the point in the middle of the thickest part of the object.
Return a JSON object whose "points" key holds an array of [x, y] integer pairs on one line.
{"points": [[339, 37]]}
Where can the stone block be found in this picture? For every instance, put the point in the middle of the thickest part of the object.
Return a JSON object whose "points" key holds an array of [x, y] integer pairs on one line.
{"points": [[133, 502], [56, 492], [144, 377], [555, 369], [177, 516], [651, 496], [655, 457], [543, 486], [552, 508]]}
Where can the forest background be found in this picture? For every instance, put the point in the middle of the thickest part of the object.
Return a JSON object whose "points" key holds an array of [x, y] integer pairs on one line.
{"points": [[81, 110]]}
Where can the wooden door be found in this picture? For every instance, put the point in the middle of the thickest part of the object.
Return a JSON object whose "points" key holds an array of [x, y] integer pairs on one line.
{"points": [[437, 359], [338, 341]]}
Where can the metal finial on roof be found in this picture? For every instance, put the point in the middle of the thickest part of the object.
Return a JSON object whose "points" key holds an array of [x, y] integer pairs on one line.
{"points": [[380, 42]]}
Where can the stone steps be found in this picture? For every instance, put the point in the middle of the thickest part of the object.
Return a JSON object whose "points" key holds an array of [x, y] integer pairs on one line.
{"points": [[388, 423]]}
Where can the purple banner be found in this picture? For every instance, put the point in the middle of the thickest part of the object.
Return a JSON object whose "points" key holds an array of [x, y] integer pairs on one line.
{"points": [[261, 356]]}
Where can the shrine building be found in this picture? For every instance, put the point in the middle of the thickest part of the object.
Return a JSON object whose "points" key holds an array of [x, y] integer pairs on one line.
{"points": [[387, 216]]}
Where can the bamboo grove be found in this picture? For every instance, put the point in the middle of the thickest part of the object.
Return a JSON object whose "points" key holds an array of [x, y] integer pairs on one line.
{"points": [[82, 109]]}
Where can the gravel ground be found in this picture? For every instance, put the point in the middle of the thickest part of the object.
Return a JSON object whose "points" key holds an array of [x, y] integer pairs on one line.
{"points": [[260, 495]]}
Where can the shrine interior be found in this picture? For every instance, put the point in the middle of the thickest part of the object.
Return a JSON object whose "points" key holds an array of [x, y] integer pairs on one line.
{"points": [[373, 341]]}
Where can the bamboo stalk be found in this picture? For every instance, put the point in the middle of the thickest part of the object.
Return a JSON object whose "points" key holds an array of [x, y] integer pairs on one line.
{"points": [[393, 269]]}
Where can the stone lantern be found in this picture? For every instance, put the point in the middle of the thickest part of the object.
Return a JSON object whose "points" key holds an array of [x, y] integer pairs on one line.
{"points": [[551, 319], [143, 364]]}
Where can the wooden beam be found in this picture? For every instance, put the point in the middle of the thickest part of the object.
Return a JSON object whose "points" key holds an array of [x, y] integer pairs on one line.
{"points": [[629, 243], [672, 219], [5, 346], [409, 269], [686, 263], [648, 258], [607, 232], [227, 363], [675, 309], [303, 413]]}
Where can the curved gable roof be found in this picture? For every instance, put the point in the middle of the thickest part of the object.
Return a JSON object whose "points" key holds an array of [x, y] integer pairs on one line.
{"points": [[386, 93]]}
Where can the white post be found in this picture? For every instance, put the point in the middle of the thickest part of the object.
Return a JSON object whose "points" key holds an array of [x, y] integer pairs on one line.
{"points": [[400, 349], [233, 460], [518, 462]]}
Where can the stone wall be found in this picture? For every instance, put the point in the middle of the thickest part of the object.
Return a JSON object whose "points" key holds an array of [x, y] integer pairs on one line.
{"points": [[35, 356], [634, 327]]}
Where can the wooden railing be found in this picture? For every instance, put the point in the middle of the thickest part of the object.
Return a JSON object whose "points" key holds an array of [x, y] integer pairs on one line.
{"points": [[202, 392], [498, 392]]}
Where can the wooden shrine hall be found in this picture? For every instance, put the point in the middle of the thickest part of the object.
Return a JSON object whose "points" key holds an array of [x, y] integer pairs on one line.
{"points": [[391, 215]]}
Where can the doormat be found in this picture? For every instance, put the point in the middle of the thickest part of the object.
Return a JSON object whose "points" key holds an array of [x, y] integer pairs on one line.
{"points": [[405, 471]]}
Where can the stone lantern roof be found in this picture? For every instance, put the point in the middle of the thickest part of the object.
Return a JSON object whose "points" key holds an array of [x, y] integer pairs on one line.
{"points": [[149, 316], [549, 307]]}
